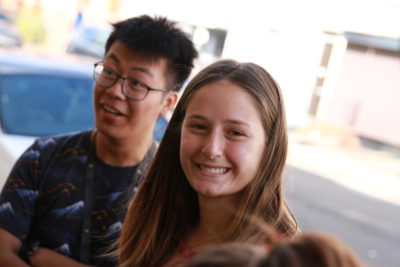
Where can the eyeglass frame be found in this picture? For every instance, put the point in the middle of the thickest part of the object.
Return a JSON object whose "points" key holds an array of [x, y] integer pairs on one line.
{"points": [[119, 76]]}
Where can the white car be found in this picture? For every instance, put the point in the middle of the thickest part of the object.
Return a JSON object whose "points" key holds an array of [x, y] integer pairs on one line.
{"points": [[40, 97]]}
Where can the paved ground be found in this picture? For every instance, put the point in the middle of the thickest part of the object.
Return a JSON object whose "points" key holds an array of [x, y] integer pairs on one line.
{"points": [[366, 224], [340, 157]]}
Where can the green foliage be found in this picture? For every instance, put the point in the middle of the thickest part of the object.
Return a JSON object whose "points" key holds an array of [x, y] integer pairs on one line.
{"points": [[32, 30]]}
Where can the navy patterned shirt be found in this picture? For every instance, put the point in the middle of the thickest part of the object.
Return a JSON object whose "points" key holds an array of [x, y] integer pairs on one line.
{"points": [[42, 201]]}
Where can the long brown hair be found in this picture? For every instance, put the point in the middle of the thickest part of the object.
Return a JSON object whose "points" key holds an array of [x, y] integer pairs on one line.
{"points": [[165, 208]]}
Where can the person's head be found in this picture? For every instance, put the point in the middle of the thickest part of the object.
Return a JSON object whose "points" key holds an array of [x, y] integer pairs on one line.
{"points": [[229, 125], [154, 54], [311, 250], [222, 140], [232, 116], [229, 255]]}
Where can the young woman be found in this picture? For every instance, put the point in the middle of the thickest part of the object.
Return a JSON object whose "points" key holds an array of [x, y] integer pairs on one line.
{"points": [[219, 166]]}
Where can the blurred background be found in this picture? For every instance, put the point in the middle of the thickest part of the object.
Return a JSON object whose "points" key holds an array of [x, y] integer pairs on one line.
{"points": [[337, 62]]}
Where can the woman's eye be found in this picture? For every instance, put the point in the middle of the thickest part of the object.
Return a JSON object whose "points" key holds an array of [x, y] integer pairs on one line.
{"points": [[197, 127], [235, 133]]}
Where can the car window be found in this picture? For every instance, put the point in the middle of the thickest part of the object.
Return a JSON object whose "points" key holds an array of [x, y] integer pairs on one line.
{"points": [[36, 105], [2, 17]]}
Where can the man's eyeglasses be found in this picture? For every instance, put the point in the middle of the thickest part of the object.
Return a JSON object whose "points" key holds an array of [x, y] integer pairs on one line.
{"points": [[131, 88]]}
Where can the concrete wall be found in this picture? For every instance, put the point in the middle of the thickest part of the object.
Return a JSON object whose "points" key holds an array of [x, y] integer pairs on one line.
{"points": [[367, 98]]}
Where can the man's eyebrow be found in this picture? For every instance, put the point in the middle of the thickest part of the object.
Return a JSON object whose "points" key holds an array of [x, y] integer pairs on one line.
{"points": [[134, 68], [142, 69], [114, 57]]}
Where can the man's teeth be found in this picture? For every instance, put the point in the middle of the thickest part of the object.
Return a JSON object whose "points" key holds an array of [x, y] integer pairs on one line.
{"points": [[213, 170], [110, 110]]}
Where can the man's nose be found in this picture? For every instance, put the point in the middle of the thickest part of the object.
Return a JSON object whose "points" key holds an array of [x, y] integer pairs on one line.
{"points": [[116, 90]]}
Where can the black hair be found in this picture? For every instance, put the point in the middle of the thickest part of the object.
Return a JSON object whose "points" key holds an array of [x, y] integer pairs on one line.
{"points": [[157, 38]]}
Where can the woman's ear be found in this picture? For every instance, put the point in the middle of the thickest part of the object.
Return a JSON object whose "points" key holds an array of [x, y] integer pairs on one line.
{"points": [[169, 103]]}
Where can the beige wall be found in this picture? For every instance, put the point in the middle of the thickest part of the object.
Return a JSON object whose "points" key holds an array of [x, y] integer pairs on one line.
{"points": [[367, 98]]}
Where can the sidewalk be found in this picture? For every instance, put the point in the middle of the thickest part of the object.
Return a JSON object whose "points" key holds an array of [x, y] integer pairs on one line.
{"points": [[343, 159]]}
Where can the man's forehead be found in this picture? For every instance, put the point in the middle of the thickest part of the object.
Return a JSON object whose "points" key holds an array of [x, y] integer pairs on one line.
{"points": [[142, 64]]}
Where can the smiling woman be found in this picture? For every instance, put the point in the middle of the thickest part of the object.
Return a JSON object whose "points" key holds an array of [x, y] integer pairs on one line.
{"points": [[219, 166], [222, 141]]}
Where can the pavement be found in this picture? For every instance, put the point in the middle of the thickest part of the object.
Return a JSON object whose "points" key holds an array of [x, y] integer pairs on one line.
{"points": [[338, 155]]}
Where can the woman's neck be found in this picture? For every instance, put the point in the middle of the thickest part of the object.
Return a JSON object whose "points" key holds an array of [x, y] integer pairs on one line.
{"points": [[215, 217], [120, 152]]}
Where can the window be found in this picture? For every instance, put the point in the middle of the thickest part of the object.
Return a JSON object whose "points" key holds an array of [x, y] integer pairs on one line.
{"points": [[38, 105]]}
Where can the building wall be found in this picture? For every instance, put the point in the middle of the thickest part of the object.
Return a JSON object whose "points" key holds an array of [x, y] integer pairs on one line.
{"points": [[367, 98]]}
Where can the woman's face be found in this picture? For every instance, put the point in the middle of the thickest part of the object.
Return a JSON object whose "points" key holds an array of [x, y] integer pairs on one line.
{"points": [[222, 139]]}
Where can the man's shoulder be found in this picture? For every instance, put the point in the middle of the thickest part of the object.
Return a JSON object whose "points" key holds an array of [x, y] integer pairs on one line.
{"points": [[64, 140], [76, 143]]}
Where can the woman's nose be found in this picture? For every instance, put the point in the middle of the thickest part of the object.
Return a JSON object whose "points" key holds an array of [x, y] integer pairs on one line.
{"points": [[214, 146]]}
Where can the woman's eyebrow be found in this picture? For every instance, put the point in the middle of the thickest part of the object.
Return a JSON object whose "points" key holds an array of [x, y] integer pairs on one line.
{"points": [[236, 121], [230, 121], [195, 116]]}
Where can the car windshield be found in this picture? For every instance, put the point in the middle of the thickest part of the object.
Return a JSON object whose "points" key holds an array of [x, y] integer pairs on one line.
{"points": [[36, 105]]}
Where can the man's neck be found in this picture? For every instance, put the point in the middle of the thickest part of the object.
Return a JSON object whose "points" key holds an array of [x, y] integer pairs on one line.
{"points": [[122, 152]]}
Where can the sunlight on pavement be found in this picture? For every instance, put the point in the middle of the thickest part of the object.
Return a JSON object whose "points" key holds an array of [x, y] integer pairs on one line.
{"points": [[371, 172]]}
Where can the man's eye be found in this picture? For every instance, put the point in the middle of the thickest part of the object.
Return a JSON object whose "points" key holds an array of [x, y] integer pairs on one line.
{"points": [[135, 84], [107, 72]]}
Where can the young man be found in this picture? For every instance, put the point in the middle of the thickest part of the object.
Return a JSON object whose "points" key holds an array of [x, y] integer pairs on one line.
{"points": [[64, 200]]}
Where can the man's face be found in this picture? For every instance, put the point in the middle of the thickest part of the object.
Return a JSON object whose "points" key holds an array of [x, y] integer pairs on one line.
{"points": [[119, 117]]}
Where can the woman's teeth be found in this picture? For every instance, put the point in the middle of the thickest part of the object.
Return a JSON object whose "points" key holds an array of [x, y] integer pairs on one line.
{"points": [[213, 170]]}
